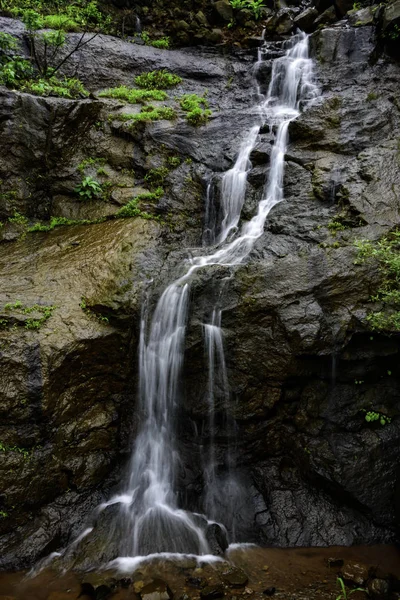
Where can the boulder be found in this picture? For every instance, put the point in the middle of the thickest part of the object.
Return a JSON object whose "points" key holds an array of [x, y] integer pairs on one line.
{"points": [[305, 19], [391, 15], [156, 590], [224, 10]]}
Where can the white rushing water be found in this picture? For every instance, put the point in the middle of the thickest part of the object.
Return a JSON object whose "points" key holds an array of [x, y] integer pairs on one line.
{"points": [[153, 521]]}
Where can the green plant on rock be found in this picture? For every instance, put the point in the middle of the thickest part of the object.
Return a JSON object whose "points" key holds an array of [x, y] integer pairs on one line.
{"points": [[13, 68], [7, 448], [372, 417], [132, 208], [66, 87], [196, 108], [386, 253], [344, 591], [173, 161], [255, 6], [3, 514], [32, 323], [162, 43], [132, 95], [155, 80], [89, 189], [61, 221], [148, 113], [18, 219], [156, 176]]}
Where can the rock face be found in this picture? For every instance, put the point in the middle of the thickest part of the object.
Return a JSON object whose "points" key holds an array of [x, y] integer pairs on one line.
{"points": [[302, 363]]}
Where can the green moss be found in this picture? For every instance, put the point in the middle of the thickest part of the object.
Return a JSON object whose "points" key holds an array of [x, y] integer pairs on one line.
{"points": [[196, 108], [163, 43], [386, 253], [7, 448], [156, 176], [132, 95], [64, 88], [61, 221], [372, 96], [18, 219], [31, 323], [132, 208], [156, 80], [147, 114]]}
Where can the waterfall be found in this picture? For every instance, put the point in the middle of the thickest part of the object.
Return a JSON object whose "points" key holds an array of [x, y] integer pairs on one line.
{"points": [[153, 521], [149, 519]]}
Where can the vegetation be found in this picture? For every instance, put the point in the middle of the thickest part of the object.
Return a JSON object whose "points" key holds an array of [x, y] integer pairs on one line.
{"points": [[156, 176], [132, 208], [386, 252], [192, 104], [162, 43], [85, 306], [89, 189], [344, 592], [156, 80], [148, 113], [372, 416], [7, 448], [18, 219], [59, 222], [255, 6], [31, 323], [67, 87], [133, 96]]}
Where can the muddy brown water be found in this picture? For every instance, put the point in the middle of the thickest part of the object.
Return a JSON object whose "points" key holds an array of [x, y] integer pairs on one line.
{"points": [[296, 574]]}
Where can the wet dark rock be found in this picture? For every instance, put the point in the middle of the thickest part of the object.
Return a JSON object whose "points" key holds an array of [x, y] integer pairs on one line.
{"points": [[235, 578], [209, 592], [224, 9], [391, 15], [156, 590], [378, 589], [306, 19], [269, 591], [355, 573], [335, 562], [103, 592], [327, 17]]}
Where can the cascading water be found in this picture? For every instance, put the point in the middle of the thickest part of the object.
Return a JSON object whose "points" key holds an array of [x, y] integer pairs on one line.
{"points": [[153, 521], [150, 520]]}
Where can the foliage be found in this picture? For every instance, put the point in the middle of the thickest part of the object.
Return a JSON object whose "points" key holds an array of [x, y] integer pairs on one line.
{"points": [[155, 80], [13, 68], [7, 448], [386, 252], [163, 43], [191, 104], [85, 306], [65, 88], [133, 96], [83, 14], [372, 416], [336, 225], [32, 323], [18, 219], [344, 592], [173, 161], [255, 6], [89, 188], [156, 176], [59, 222], [132, 209], [148, 113]]}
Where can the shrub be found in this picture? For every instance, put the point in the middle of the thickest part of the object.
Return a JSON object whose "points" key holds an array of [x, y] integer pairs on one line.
{"points": [[163, 43], [157, 80], [156, 176], [191, 104], [133, 96], [89, 189], [254, 5], [65, 88], [149, 113], [386, 252]]}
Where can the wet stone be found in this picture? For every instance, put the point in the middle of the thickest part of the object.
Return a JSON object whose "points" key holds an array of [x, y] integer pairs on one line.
{"points": [[195, 582], [354, 572], [335, 562], [212, 591], [156, 590], [235, 578], [270, 591], [378, 588], [103, 592]]}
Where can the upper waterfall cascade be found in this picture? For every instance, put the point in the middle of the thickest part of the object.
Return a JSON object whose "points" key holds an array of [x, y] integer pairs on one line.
{"points": [[149, 518], [153, 520]]}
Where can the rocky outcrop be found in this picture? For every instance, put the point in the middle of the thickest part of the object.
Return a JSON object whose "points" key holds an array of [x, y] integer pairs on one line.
{"points": [[302, 363]]}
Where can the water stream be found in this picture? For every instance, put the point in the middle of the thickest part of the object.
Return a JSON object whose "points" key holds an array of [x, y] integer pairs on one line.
{"points": [[151, 520], [154, 522]]}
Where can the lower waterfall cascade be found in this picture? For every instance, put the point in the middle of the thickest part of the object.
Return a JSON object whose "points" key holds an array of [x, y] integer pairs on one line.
{"points": [[149, 510], [148, 519]]}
